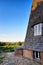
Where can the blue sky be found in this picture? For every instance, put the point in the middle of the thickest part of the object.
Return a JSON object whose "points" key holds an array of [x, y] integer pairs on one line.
{"points": [[14, 17]]}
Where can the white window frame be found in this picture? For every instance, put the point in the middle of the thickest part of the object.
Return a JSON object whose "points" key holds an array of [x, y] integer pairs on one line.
{"points": [[38, 29], [38, 55]]}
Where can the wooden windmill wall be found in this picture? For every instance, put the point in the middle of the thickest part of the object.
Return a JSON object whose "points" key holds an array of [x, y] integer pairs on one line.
{"points": [[34, 43]]}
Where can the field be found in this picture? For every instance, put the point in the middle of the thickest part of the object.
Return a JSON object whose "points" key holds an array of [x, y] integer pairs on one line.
{"points": [[9, 47]]}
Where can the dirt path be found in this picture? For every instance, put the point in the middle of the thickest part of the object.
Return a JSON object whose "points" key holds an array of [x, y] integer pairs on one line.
{"points": [[11, 59]]}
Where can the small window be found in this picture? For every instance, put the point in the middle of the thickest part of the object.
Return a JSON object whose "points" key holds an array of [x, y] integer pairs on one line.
{"points": [[38, 29], [36, 55]]}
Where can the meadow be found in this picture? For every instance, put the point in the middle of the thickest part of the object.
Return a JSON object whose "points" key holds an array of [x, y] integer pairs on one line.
{"points": [[9, 46]]}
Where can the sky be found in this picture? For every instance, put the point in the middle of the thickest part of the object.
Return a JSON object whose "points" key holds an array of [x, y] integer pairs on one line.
{"points": [[14, 18]]}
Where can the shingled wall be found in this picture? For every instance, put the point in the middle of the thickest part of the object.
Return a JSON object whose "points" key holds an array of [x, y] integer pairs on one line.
{"points": [[34, 43]]}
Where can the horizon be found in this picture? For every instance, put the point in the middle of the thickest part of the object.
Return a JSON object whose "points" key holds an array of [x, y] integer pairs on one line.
{"points": [[14, 18]]}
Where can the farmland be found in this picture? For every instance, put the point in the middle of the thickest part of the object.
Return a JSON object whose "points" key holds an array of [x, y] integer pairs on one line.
{"points": [[9, 47]]}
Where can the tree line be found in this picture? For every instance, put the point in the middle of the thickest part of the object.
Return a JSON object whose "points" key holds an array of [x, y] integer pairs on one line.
{"points": [[11, 43]]}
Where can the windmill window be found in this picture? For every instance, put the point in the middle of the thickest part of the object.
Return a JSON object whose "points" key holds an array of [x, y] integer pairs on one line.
{"points": [[38, 29], [36, 55]]}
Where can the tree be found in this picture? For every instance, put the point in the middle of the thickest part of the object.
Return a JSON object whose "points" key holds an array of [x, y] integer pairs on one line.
{"points": [[2, 43], [20, 43]]}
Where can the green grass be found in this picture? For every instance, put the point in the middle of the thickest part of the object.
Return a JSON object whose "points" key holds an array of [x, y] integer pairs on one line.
{"points": [[1, 59], [6, 49], [9, 47]]}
